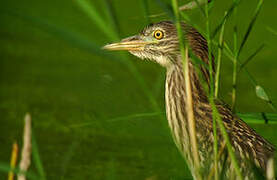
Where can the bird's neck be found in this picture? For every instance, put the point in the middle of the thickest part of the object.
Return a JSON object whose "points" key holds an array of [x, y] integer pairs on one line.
{"points": [[175, 96], [175, 82]]}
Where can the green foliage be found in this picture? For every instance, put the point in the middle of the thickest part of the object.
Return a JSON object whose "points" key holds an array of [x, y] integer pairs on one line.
{"points": [[250, 26], [89, 106], [260, 92], [259, 49], [36, 159], [6, 168], [272, 30], [91, 11]]}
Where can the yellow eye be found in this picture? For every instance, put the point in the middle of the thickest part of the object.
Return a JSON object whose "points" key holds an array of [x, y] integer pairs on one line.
{"points": [[158, 34]]}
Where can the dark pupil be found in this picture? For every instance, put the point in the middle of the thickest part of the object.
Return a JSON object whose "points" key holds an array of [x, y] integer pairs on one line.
{"points": [[158, 34]]}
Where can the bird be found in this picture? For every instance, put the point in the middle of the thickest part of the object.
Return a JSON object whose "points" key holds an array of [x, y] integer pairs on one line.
{"points": [[159, 42]]}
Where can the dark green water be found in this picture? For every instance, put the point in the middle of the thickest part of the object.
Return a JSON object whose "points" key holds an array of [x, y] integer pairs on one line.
{"points": [[74, 94]]}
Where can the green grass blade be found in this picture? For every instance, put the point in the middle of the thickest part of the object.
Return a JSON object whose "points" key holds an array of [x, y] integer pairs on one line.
{"points": [[235, 62], [248, 117], [81, 42], [200, 7], [229, 146], [167, 8], [251, 56], [102, 24], [73, 38], [121, 118], [211, 5], [230, 56], [36, 158], [235, 66], [189, 105], [197, 61], [250, 77], [6, 169], [216, 116], [260, 92], [190, 22], [68, 156], [271, 30], [250, 26], [225, 17], [219, 54], [92, 13], [259, 118], [228, 52], [128, 62], [215, 140], [112, 16]]}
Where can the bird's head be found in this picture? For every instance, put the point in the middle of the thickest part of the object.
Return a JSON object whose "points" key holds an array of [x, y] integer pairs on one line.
{"points": [[158, 42]]}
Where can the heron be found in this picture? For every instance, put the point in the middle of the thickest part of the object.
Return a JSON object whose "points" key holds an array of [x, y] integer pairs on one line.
{"points": [[159, 43]]}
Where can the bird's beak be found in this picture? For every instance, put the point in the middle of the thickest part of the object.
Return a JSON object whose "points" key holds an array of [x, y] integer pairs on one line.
{"points": [[133, 43]]}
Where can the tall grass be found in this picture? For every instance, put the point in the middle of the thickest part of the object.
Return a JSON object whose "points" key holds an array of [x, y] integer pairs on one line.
{"points": [[112, 32], [101, 22], [237, 51], [189, 100], [29, 149], [216, 116], [235, 57], [219, 55], [37, 159], [235, 60]]}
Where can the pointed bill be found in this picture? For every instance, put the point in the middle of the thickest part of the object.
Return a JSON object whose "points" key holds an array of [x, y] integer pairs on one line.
{"points": [[133, 43], [129, 46]]}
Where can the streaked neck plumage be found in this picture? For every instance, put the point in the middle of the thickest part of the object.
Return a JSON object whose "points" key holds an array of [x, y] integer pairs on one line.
{"points": [[175, 96]]}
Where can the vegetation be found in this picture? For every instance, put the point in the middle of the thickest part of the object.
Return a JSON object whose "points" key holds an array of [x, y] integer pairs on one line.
{"points": [[100, 115]]}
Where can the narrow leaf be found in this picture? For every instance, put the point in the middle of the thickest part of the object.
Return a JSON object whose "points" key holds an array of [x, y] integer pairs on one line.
{"points": [[71, 37], [260, 92], [121, 118], [251, 56], [219, 54], [112, 16], [250, 26], [36, 158], [200, 7], [6, 168], [259, 118], [167, 8], [92, 13], [271, 30], [225, 17]]}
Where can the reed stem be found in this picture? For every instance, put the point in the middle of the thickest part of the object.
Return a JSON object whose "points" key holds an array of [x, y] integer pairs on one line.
{"points": [[189, 99]]}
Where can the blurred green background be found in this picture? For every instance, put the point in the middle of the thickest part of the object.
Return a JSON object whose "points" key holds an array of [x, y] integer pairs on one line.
{"points": [[91, 117]]}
